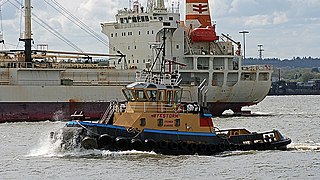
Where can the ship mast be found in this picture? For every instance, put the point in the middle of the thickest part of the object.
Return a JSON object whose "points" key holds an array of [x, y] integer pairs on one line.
{"points": [[27, 36]]}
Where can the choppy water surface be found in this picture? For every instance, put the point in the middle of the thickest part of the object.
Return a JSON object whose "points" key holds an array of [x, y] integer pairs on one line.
{"points": [[26, 152]]}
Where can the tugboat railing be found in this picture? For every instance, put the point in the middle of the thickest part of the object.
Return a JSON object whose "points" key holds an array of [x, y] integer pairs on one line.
{"points": [[164, 108], [108, 113]]}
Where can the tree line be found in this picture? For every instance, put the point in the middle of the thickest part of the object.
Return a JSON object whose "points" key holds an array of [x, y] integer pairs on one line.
{"points": [[295, 62]]}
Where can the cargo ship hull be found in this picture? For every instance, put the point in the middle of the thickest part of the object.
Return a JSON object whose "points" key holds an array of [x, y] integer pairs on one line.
{"points": [[60, 111]]}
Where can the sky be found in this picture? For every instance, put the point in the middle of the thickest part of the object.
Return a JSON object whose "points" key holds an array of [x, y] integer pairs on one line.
{"points": [[285, 28]]}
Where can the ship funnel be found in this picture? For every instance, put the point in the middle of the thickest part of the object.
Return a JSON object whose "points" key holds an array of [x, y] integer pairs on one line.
{"points": [[198, 10]]}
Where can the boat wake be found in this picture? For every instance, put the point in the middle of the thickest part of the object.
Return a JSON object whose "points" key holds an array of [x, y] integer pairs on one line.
{"points": [[229, 113], [46, 147], [310, 146]]}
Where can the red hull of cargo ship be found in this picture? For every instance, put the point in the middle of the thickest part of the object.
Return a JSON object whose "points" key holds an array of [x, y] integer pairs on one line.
{"points": [[43, 111]]}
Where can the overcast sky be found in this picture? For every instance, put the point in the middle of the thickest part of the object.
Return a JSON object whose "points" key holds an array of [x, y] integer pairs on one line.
{"points": [[286, 28]]}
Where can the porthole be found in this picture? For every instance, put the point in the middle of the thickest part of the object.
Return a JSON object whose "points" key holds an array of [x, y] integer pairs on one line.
{"points": [[143, 122]]}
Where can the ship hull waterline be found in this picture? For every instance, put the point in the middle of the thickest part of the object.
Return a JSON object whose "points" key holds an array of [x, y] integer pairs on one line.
{"points": [[58, 111]]}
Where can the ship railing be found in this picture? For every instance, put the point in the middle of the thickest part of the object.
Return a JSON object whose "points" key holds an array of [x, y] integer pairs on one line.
{"points": [[16, 64], [53, 65], [251, 137], [100, 83], [131, 25], [39, 82], [108, 113], [156, 107], [165, 79], [4, 82], [257, 67]]}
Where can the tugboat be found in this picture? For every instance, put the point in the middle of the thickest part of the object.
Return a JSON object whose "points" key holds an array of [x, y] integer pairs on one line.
{"points": [[155, 119]]}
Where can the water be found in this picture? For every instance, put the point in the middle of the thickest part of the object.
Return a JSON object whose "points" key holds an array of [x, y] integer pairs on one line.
{"points": [[26, 152]]}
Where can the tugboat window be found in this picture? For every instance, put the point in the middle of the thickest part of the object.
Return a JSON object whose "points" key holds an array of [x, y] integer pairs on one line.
{"points": [[160, 122], [169, 97], [134, 19], [128, 94], [177, 123], [143, 122], [161, 96], [140, 95], [177, 96], [152, 95]]}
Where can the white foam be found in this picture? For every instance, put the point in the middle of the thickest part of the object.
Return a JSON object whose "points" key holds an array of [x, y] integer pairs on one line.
{"points": [[46, 147], [309, 146]]}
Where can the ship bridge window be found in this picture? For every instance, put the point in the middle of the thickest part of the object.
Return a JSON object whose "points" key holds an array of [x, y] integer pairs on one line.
{"points": [[169, 97], [126, 20], [142, 18], [139, 18], [161, 95], [121, 20], [140, 95], [129, 19], [152, 95], [170, 18], [128, 94], [177, 96], [161, 18], [134, 19], [147, 18], [166, 24]]}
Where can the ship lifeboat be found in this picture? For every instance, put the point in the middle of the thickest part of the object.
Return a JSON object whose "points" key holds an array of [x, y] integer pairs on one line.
{"points": [[207, 34]]}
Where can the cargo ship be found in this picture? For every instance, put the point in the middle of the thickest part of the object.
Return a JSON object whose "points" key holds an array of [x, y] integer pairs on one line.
{"points": [[39, 84]]}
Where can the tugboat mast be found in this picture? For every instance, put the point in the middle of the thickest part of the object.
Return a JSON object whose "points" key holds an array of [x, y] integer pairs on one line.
{"points": [[27, 36]]}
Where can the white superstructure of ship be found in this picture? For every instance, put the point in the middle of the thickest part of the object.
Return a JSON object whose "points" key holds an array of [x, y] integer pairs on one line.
{"points": [[48, 86], [138, 33]]}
